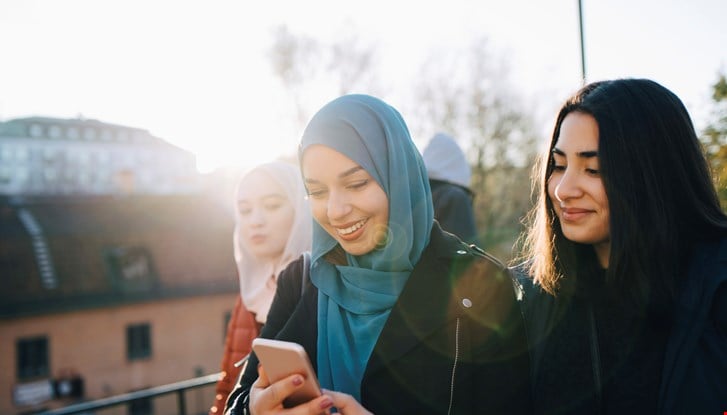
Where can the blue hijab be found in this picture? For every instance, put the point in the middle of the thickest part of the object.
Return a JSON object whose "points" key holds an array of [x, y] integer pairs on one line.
{"points": [[354, 301]]}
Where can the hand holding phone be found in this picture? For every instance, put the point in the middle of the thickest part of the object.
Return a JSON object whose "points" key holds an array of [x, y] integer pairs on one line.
{"points": [[281, 359]]}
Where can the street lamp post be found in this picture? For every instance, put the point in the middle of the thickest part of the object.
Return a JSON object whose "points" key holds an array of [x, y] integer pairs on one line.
{"points": [[583, 49]]}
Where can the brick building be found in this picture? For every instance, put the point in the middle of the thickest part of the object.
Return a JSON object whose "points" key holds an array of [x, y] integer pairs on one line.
{"points": [[121, 293], [116, 267]]}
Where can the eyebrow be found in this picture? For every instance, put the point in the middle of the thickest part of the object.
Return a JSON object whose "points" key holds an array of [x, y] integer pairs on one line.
{"points": [[582, 154], [346, 173], [264, 197]]}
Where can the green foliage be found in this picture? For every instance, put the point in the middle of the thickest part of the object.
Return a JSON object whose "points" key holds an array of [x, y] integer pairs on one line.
{"points": [[308, 67], [720, 89], [714, 139]]}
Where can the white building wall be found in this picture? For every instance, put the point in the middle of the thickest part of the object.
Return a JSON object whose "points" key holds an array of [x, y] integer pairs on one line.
{"points": [[56, 158]]}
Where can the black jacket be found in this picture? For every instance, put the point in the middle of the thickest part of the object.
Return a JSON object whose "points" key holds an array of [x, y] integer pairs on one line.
{"points": [[693, 375], [454, 342], [454, 210], [694, 378]]}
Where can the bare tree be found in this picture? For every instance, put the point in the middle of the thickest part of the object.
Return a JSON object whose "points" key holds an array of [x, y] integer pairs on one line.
{"points": [[463, 93], [307, 66], [294, 59], [467, 95], [352, 61]]}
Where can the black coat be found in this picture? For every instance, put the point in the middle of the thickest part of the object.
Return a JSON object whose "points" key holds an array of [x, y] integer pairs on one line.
{"points": [[453, 343], [454, 210], [694, 376], [693, 371]]}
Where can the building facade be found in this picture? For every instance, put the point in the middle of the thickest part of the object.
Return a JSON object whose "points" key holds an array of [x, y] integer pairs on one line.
{"points": [[112, 294], [117, 267], [41, 156]]}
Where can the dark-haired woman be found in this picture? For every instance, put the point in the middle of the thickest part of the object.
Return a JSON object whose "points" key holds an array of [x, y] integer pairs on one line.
{"points": [[626, 260]]}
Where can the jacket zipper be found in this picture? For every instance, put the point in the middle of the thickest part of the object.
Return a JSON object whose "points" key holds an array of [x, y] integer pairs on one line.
{"points": [[454, 367]]}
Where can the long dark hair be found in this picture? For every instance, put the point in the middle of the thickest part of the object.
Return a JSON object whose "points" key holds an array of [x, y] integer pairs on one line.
{"points": [[660, 193]]}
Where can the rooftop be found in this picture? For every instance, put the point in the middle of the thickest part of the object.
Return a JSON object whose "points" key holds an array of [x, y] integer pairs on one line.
{"points": [[70, 253]]}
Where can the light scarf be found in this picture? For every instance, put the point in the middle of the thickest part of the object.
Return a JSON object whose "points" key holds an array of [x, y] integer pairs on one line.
{"points": [[258, 278], [354, 301]]}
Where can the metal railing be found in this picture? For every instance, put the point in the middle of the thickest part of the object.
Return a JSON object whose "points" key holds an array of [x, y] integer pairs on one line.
{"points": [[178, 387]]}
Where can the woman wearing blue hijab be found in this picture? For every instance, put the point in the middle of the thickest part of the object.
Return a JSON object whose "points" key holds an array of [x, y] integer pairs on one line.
{"points": [[398, 316]]}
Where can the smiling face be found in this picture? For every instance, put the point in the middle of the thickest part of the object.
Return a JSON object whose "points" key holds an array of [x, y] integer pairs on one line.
{"points": [[575, 187], [265, 216], [345, 199]]}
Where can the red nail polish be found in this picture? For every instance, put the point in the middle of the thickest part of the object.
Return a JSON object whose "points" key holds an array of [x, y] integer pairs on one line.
{"points": [[326, 403], [297, 380]]}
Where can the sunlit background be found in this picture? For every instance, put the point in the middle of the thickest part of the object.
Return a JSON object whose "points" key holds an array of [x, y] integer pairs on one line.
{"points": [[199, 74]]}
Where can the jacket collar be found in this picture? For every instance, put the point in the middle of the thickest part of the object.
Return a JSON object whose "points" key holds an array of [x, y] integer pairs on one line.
{"points": [[428, 300]]}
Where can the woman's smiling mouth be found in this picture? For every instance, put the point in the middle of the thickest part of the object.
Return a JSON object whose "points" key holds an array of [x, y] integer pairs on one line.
{"points": [[348, 231]]}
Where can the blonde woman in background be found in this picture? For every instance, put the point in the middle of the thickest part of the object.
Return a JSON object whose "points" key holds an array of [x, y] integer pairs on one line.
{"points": [[273, 227]]}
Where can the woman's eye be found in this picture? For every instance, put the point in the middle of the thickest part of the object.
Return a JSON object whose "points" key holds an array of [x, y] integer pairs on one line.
{"points": [[558, 167], [273, 206], [358, 184], [245, 211], [593, 172], [316, 193]]}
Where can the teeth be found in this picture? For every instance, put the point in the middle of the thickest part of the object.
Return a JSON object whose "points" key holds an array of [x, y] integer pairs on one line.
{"points": [[350, 229]]}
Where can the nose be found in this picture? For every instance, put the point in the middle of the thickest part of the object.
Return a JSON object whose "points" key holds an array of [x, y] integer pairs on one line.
{"points": [[567, 186], [257, 217], [338, 206]]}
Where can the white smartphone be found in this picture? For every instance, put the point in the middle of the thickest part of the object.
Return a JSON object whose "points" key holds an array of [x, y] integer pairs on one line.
{"points": [[281, 359]]}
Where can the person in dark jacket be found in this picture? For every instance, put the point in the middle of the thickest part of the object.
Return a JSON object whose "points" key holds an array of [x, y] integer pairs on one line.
{"points": [[449, 178], [397, 316], [625, 277]]}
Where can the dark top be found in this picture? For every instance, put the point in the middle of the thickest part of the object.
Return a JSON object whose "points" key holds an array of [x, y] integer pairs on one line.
{"points": [[620, 361], [594, 329], [453, 343]]}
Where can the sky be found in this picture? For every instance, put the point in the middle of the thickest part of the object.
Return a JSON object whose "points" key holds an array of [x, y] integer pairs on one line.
{"points": [[197, 73]]}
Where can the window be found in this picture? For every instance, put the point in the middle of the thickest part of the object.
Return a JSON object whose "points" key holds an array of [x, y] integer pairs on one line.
{"points": [[89, 133], [72, 133], [83, 158], [50, 174], [5, 175], [49, 154], [32, 355], [131, 269], [141, 407], [21, 154], [54, 131], [138, 341], [36, 130]]}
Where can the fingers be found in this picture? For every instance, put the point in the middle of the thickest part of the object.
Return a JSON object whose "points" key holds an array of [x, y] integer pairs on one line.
{"points": [[346, 404], [262, 376], [266, 397], [317, 406]]}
